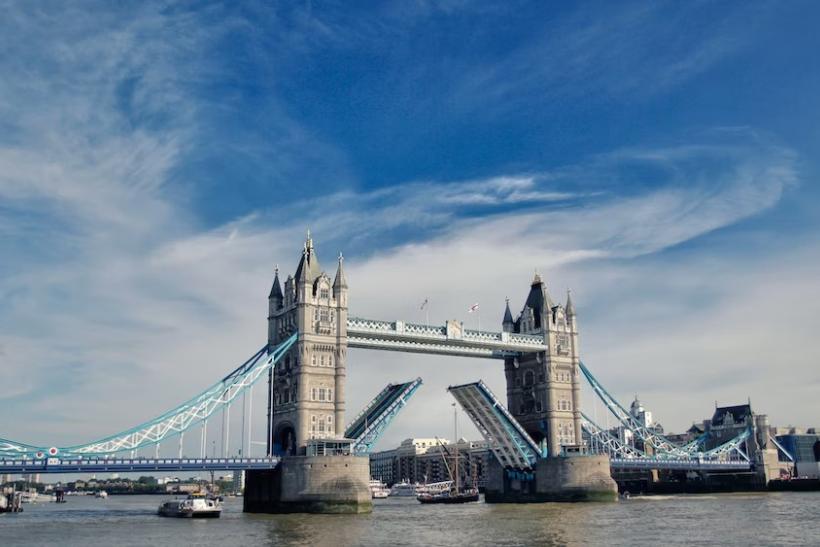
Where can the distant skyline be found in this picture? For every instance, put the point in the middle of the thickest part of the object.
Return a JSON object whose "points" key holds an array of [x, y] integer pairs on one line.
{"points": [[158, 160]]}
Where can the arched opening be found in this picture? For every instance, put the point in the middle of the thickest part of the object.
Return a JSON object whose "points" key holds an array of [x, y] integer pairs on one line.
{"points": [[284, 440]]}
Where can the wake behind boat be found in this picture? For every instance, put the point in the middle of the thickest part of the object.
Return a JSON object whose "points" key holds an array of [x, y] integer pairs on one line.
{"points": [[194, 506]]}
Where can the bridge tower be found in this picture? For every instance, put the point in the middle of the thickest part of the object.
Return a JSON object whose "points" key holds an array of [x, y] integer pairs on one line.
{"points": [[306, 396], [543, 388], [306, 400]]}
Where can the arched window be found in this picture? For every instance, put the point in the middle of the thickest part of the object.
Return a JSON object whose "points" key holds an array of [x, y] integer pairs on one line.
{"points": [[529, 378], [313, 359], [313, 395], [322, 360]]}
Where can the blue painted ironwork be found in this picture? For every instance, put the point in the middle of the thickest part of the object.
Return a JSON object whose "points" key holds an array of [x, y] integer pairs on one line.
{"points": [[369, 425], [661, 444], [127, 465], [728, 456], [173, 422]]}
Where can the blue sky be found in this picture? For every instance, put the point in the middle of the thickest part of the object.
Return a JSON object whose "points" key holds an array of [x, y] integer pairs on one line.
{"points": [[157, 160]]}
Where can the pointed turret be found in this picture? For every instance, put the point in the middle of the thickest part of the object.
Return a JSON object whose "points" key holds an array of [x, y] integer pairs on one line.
{"points": [[539, 300], [507, 324], [341, 281], [308, 268], [276, 290], [570, 307]]}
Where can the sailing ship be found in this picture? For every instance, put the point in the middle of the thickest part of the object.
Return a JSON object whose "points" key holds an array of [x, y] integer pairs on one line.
{"points": [[456, 494]]}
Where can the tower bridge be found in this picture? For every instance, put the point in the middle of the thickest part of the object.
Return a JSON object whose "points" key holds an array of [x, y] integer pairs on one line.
{"points": [[545, 448]]}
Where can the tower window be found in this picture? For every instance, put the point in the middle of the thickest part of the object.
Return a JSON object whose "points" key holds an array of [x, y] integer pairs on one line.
{"points": [[324, 293]]}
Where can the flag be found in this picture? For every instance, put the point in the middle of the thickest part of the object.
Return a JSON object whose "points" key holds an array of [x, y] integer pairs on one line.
{"points": [[423, 304], [473, 308]]}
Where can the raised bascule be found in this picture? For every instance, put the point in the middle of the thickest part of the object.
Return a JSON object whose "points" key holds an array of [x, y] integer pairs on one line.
{"points": [[545, 448]]}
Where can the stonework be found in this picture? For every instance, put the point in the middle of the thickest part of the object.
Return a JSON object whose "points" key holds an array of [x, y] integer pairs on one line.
{"points": [[557, 479], [311, 484], [306, 398], [543, 389]]}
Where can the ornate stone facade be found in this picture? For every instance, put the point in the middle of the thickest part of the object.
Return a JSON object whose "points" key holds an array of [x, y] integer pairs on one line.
{"points": [[543, 389], [306, 396]]}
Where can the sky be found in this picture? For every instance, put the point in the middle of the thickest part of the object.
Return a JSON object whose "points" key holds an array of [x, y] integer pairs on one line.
{"points": [[158, 159]]}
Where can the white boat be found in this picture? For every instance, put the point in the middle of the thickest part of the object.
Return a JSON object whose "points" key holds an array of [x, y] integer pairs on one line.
{"points": [[101, 494], [28, 497], [404, 488], [378, 490], [194, 506]]}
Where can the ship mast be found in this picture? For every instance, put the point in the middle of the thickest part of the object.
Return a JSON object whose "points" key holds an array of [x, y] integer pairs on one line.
{"points": [[455, 422]]}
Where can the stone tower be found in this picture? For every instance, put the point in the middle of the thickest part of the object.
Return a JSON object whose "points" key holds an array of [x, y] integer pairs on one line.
{"points": [[306, 397], [543, 389]]}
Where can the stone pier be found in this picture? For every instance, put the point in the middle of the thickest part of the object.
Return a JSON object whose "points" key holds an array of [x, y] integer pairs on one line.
{"points": [[559, 479], [311, 484]]}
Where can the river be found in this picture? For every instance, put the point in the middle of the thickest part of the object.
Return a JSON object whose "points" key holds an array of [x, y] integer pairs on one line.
{"points": [[786, 518]]}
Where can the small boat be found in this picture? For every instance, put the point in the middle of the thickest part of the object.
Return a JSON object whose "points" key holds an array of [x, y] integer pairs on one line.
{"points": [[101, 494], [11, 504], [194, 506], [378, 490], [404, 488], [29, 497]]}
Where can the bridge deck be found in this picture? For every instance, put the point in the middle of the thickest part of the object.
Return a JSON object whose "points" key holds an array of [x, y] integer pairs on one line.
{"points": [[371, 422], [121, 465], [449, 339], [513, 447]]}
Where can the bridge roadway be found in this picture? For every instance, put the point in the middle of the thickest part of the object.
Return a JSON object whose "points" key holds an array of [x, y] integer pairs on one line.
{"points": [[133, 465], [449, 339], [681, 464]]}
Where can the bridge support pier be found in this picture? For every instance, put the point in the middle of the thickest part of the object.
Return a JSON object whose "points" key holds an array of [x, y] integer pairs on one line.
{"points": [[558, 479], [311, 484]]}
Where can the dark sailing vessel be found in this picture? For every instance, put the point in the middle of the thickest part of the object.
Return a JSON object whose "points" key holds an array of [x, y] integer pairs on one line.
{"points": [[455, 494]]}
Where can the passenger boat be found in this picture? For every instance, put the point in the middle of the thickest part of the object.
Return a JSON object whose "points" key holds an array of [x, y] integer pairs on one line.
{"points": [[405, 488], [11, 504], [378, 490], [194, 506]]}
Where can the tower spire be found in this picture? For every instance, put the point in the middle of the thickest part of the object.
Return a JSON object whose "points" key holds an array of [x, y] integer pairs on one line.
{"points": [[341, 280], [276, 289], [570, 307], [507, 322]]}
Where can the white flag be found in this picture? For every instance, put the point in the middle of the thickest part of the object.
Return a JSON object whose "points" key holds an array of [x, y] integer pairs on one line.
{"points": [[473, 308]]}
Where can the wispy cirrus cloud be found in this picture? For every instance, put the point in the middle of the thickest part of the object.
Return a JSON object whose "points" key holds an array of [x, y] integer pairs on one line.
{"points": [[603, 53]]}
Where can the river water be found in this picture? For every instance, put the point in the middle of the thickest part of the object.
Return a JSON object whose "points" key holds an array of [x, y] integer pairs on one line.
{"points": [[723, 519]]}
